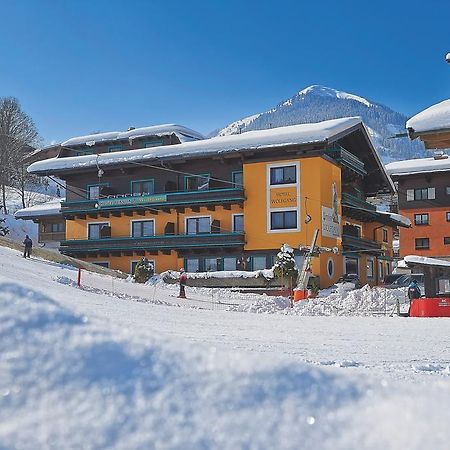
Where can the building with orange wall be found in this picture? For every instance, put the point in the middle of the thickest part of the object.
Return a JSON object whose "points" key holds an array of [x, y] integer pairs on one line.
{"points": [[230, 202], [424, 197]]}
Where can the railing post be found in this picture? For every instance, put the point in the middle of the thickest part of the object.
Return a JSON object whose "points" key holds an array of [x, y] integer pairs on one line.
{"points": [[79, 278]]}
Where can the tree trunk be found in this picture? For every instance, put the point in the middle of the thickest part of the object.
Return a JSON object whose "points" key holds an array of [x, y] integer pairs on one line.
{"points": [[5, 210]]}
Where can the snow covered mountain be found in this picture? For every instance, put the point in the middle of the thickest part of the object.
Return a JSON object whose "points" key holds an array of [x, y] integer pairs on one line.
{"points": [[317, 103]]}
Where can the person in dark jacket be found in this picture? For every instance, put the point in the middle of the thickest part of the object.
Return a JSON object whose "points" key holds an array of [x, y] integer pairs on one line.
{"points": [[413, 292], [183, 280], [28, 246]]}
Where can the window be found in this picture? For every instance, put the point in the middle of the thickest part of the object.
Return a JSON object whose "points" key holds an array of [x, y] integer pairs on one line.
{"points": [[192, 265], [57, 227], [197, 182], [210, 264], [142, 187], [155, 143], [238, 179], [385, 235], [370, 268], [352, 265], [446, 240], [259, 262], [99, 230], [133, 266], [447, 190], [102, 264], [238, 223], [283, 220], [421, 219], [422, 243], [330, 268], [115, 148], [142, 228], [94, 190], [421, 194], [283, 175], [380, 270], [448, 216], [229, 263], [197, 225]]}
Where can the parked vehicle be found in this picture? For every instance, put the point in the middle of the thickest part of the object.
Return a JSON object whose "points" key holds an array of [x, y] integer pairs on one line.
{"points": [[391, 278], [349, 281], [405, 281]]}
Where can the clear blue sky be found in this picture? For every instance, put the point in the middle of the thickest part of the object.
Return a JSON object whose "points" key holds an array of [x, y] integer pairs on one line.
{"points": [[98, 65]]}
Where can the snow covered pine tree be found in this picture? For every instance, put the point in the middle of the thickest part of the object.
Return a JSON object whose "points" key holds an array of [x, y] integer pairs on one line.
{"points": [[4, 230], [285, 266], [144, 271]]}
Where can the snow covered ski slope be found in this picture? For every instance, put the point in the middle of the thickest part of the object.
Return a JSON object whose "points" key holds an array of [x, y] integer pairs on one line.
{"points": [[115, 365]]}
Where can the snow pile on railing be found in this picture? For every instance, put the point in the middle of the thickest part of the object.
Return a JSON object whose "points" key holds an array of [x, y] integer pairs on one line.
{"points": [[174, 275], [366, 301]]}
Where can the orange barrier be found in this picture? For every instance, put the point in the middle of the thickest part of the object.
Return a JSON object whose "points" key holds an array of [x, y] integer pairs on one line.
{"points": [[430, 307], [300, 294]]}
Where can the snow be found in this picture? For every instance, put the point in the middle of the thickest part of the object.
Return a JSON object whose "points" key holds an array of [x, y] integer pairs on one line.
{"points": [[326, 91], [420, 165], [95, 368], [265, 273], [414, 259], [251, 140], [434, 118], [183, 133], [234, 127], [404, 221], [51, 208]]}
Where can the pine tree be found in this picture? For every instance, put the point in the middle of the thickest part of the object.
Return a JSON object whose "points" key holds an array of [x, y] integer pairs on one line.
{"points": [[144, 271], [285, 266], [4, 230]]}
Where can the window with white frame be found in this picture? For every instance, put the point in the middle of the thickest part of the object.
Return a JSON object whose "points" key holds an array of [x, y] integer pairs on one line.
{"points": [[198, 225], [238, 223], [142, 228], [421, 219], [283, 220], [283, 175], [421, 194]]}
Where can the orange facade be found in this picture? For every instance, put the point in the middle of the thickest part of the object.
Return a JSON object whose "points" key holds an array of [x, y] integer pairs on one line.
{"points": [[436, 230]]}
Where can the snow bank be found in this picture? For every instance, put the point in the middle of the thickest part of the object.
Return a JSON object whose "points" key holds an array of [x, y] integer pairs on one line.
{"points": [[174, 275], [366, 301]]}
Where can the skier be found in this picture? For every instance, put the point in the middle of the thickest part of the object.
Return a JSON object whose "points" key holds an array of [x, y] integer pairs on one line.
{"points": [[183, 279], [28, 246], [413, 292]]}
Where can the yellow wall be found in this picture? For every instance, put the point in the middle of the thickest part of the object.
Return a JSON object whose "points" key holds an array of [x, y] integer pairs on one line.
{"points": [[316, 178]]}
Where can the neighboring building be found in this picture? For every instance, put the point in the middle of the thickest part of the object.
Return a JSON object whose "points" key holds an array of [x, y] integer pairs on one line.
{"points": [[51, 223], [230, 202], [432, 126], [424, 197]]}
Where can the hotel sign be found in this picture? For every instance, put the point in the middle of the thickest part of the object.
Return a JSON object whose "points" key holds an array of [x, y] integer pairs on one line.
{"points": [[283, 197], [130, 200]]}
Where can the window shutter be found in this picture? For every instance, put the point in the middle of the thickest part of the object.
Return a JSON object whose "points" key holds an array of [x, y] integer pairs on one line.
{"points": [[431, 193], [409, 195]]}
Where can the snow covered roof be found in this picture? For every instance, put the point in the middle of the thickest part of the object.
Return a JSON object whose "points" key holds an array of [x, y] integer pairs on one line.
{"points": [[414, 259], [321, 132], [434, 118], [184, 134], [51, 208], [421, 165], [398, 218]]}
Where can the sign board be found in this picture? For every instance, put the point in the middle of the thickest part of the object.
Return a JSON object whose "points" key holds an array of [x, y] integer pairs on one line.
{"points": [[283, 197], [331, 223], [130, 200]]}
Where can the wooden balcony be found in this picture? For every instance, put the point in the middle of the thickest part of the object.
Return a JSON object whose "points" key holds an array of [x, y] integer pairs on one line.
{"points": [[347, 160], [52, 237], [356, 244], [164, 201], [153, 243]]}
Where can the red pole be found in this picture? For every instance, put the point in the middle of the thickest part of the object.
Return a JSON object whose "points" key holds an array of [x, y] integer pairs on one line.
{"points": [[79, 278]]}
